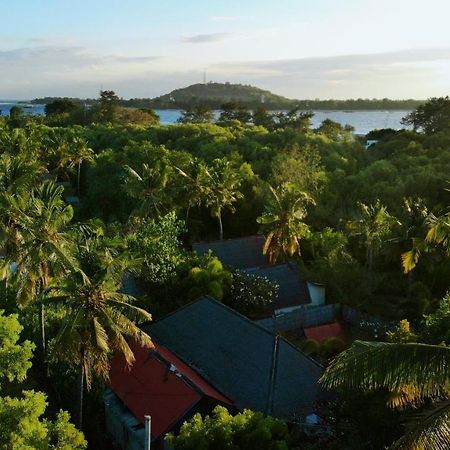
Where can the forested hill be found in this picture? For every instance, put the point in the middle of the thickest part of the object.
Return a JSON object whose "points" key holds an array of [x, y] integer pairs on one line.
{"points": [[214, 95]]}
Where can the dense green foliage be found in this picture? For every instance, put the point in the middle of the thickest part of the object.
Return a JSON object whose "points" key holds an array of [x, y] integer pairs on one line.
{"points": [[14, 357], [245, 431], [157, 243], [432, 117], [208, 278], [141, 194], [22, 425]]}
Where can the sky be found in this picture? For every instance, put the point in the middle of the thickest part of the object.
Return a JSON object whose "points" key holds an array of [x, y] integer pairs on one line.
{"points": [[301, 49]]}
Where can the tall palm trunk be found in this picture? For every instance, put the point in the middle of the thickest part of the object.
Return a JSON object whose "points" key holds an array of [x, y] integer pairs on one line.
{"points": [[410, 283], [42, 331], [78, 178], [81, 377], [370, 258], [219, 218], [43, 284]]}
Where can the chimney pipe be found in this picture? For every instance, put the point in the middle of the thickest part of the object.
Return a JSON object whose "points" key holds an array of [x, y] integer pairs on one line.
{"points": [[148, 432]]}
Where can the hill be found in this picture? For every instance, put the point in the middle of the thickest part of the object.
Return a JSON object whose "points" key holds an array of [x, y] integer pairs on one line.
{"points": [[215, 94]]}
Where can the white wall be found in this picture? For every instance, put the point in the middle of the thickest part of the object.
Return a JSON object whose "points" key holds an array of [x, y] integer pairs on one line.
{"points": [[317, 293]]}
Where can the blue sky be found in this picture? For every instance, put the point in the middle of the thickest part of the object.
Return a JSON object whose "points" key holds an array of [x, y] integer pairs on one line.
{"points": [[297, 48]]}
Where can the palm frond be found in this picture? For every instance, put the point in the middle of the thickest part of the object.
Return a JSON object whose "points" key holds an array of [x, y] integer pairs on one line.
{"points": [[132, 173], [411, 258], [101, 337], [423, 369], [428, 430], [439, 231]]}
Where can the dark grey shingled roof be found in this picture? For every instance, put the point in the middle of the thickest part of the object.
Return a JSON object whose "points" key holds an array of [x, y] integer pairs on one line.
{"points": [[292, 291], [237, 357], [238, 253]]}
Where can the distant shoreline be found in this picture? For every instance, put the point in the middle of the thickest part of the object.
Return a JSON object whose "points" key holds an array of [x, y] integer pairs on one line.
{"points": [[38, 102]]}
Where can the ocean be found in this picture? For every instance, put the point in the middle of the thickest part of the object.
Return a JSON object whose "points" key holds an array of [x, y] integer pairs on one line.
{"points": [[362, 121]]}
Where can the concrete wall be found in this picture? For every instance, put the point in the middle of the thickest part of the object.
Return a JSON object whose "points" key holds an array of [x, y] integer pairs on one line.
{"points": [[317, 293], [121, 425], [308, 316]]}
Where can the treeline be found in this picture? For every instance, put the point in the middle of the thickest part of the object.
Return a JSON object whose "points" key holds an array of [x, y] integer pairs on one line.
{"points": [[269, 102], [359, 104]]}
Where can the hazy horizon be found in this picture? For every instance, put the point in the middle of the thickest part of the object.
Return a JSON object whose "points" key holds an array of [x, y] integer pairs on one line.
{"points": [[356, 49], [7, 100]]}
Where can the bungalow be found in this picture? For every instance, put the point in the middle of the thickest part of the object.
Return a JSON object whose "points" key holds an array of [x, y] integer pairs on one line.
{"points": [[247, 254], [240, 253], [207, 354], [159, 385]]}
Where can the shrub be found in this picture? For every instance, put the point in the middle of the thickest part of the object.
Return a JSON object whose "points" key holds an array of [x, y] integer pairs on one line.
{"points": [[309, 346], [331, 346], [251, 295], [209, 278], [248, 430], [158, 244]]}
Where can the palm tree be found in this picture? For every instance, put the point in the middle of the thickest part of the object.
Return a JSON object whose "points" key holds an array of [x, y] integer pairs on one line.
{"points": [[282, 222], [220, 184], [438, 233], [216, 186], [191, 190], [149, 188], [18, 174], [42, 249], [374, 226], [412, 373], [76, 152], [411, 224], [97, 316]]}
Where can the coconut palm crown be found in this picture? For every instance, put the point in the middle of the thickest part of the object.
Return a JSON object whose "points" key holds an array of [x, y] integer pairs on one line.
{"points": [[414, 374], [282, 222]]}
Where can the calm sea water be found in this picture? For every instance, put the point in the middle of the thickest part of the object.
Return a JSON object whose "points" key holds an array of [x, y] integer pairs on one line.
{"points": [[362, 121]]}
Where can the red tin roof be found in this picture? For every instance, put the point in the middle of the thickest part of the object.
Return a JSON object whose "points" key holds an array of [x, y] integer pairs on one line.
{"points": [[324, 331], [151, 387]]}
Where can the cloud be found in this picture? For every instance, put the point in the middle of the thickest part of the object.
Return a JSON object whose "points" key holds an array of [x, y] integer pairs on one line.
{"points": [[342, 63], [54, 70], [132, 59], [205, 38], [398, 74], [72, 70]]}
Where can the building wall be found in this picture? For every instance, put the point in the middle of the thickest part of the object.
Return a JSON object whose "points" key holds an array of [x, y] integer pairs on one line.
{"points": [[124, 429], [281, 311], [306, 316], [317, 293]]}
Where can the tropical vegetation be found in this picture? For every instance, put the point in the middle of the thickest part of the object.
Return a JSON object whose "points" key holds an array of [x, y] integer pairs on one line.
{"points": [[99, 208]]}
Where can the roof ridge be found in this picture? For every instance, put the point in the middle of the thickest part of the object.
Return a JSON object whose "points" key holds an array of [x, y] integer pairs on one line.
{"points": [[183, 377], [273, 375], [236, 313], [201, 373], [151, 322]]}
